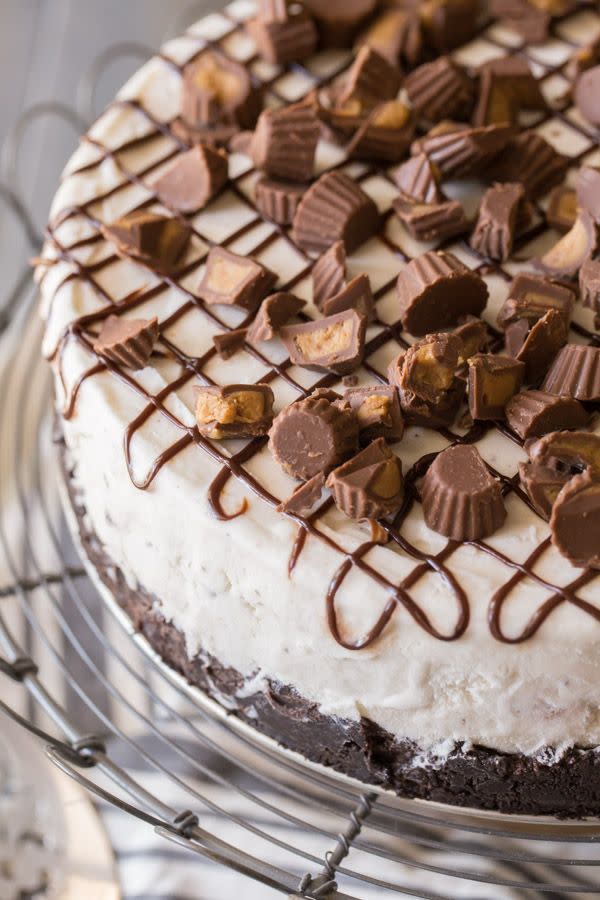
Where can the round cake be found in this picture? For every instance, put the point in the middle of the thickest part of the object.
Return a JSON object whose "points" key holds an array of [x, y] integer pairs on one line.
{"points": [[320, 292]]}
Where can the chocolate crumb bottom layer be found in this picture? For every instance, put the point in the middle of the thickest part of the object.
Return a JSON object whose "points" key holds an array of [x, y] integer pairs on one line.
{"points": [[479, 778]]}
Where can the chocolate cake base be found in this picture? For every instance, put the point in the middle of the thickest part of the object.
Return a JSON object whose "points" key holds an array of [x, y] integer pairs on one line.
{"points": [[480, 778]]}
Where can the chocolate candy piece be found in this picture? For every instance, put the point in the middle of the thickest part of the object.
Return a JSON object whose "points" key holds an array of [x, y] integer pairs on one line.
{"points": [[285, 141], [542, 485], [218, 135], [216, 90], [534, 413], [571, 251], [587, 95], [127, 342], [589, 284], [275, 311], [575, 373], [495, 230], [329, 274], [306, 496], [333, 344], [461, 499], [371, 80], [507, 85], [531, 296], [234, 410], [385, 134], [474, 337], [234, 280], [334, 208], [562, 208], [541, 344], [515, 336], [355, 295], [283, 32], [339, 21], [435, 290], [575, 521], [396, 35], [440, 89], [567, 451], [430, 393], [228, 343], [418, 179], [531, 22], [157, 241], [192, 179], [493, 381], [458, 150], [531, 160], [431, 221], [588, 190], [495, 103], [582, 59], [449, 23], [312, 436], [278, 200], [377, 411], [370, 485]]}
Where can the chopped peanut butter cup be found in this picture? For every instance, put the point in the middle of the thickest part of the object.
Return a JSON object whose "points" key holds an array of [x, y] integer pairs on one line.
{"points": [[370, 485], [461, 499], [285, 141], [498, 213], [355, 295], [333, 344], [396, 35], [228, 343], [127, 342], [418, 179], [562, 208], [234, 411], [283, 32], [329, 274], [540, 344], [575, 521], [573, 249], [278, 200], [435, 290], [216, 90], [385, 134], [371, 80], [377, 410], [575, 373], [312, 436], [274, 312], [440, 89], [305, 498], [458, 150], [334, 209], [339, 21], [493, 381], [531, 296], [542, 484], [234, 280], [532, 161], [425, 375], [431, 221], [448, 23], [192, 179], [474, 336], [534, 413], [569, 452], [158, 241]]}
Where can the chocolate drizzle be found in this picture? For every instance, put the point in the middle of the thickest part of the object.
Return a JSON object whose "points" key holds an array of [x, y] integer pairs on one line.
{"points": [[84, 329]]}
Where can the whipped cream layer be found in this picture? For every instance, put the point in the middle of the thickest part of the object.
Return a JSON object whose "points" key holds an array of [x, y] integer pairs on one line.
{"points": [[226, 583]]}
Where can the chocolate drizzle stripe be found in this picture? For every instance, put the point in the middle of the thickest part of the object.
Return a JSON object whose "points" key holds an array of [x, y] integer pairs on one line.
{"points": [[398, 595]]}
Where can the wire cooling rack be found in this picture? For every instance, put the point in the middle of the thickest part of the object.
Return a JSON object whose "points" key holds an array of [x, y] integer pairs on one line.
{"points": [[133, 733]]}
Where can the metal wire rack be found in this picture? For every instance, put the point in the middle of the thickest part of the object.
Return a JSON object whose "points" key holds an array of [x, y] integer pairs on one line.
{"points": [[76, 676]]}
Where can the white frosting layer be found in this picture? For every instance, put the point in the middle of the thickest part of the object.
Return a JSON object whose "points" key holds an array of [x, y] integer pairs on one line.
{"points": [[226, 584]]}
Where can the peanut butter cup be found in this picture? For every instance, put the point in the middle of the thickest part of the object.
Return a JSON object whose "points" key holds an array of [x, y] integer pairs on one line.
{"points": [[587, 95], [334, 208], [192, 179], [377, 410], [356, 295], [431, 221], [285, 141], [157, 241], [127, 342], [418, 179], [396, 35], [493, 381], [278, 200], [532, 414], [234, 280], [283, 32], [218, 91], [329, 274], [575, 373], [498, 213], [274, 312], [440, 89], [333, 344], [565, 259], [370, 485], [575, 521], [234, 411]]}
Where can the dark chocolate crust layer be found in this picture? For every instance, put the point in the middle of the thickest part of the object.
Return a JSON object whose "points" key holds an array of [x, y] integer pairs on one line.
{"points": [[480, 778]]}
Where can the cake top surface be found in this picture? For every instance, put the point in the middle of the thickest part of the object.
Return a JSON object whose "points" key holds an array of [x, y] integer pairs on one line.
{"points": [[205, 330]]}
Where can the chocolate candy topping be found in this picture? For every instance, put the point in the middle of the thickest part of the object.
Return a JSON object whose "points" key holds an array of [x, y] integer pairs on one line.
{"points": [[431, 221], [370, 485], [283, 32], [312, 436], [147, 237], [285, 141], [228, 343], [278, 200], [234, 411], [532, 414], [275, 311], [562, 208], [234, 280], [377, 411], [530, 21], [573, 249], [460, 498], [541, 343], [385, 134], [355, 295], [435, 290], [474, 337], [542, 485], [567, 451], [588, 191], [127, 342], [430, 392], [338, 21], [216, 90], [493, 381], [418, 179], [587, 95], [395, 35], [531, 296], [497, 222], [371, 80], [575, 521], [305, 497], [329, 274], [507, 85], [440, 89], [448, 23], [532, 161], [335, 208], [333, 344], [458, 150], [575, 372], [192, 179]]}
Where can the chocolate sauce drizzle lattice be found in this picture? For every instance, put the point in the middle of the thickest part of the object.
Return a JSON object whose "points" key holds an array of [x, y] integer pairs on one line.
{"points": [[192, 368]]}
